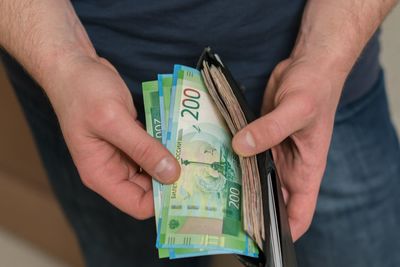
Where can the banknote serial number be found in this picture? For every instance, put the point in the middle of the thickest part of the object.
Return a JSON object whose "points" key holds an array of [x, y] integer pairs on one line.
{"points": [[191, 103], [157, 128]]}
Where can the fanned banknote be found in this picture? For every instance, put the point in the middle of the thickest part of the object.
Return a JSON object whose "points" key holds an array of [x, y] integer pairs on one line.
{"points": [[152, 99], [153, 127], [221, 203], [203, 208]]}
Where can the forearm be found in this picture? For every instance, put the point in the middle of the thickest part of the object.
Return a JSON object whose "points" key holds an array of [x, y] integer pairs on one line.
{"points": [[43, 35], [334, 33]]}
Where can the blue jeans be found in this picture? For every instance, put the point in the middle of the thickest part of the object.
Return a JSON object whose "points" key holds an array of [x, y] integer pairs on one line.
{"points": [[357, 214]]}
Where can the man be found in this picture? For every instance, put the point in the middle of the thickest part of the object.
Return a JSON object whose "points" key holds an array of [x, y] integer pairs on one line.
{"points": [[86, 102]]}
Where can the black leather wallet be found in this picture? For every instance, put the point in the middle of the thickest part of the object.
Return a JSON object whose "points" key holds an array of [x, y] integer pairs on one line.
{"points": [[278, 249]]}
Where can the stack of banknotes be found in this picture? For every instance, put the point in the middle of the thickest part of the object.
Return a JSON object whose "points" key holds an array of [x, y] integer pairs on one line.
{"points": [[201, 213]]}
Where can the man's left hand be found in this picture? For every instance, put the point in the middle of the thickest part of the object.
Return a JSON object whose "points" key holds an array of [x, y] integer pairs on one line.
{"points": [[298, 113]]}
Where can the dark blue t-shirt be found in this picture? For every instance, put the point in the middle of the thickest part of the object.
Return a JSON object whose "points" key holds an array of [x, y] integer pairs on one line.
{"points": [[145, 37]]}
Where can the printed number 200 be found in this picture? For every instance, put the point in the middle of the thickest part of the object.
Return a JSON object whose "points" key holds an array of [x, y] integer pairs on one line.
{"points": [[190, 103], [234, 197]]}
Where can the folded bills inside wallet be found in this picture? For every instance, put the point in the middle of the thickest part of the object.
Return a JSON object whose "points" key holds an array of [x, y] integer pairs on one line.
{"points": [[270, 229]]}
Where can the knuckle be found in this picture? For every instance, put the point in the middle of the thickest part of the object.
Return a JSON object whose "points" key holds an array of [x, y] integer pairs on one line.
{"points": [[140, 215], [142, 151], [103, 116], [139, 212], [89, 182], [107, 63], [307, 107], [281, 66], [271, 131], [275, 129]]}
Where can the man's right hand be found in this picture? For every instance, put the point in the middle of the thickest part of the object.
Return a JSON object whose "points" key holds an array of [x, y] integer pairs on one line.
{"points": [[113, 153], [108, 145]]}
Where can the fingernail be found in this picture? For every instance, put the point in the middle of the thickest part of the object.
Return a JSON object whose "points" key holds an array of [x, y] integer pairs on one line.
{"points": [[165, 170], [245, 143]]}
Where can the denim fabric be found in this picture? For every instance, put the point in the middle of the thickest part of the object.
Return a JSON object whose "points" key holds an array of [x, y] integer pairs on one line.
{"points": [[358, 212], [145, 37], [358, 209]]}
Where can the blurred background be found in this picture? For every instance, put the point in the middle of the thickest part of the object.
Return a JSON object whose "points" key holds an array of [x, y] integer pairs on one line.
{"points": [[33, 230]]}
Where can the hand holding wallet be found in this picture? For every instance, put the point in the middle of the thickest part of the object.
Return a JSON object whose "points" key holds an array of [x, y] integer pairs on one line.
{"points": [[276, 241]]}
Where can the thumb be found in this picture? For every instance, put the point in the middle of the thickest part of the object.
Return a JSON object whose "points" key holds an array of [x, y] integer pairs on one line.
{"points": [[128, 135], [292, 114]]}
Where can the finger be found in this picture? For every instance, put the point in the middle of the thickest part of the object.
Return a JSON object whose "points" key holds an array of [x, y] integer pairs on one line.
{"points": [[143, 180], [129, 197], [147, 152], [117, 180], [291, 115], [300, 210], [135, 176]]}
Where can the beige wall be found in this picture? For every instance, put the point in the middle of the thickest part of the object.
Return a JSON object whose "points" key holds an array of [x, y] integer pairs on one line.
{"points": [[27, 205], [390, 58], [16, 146]]}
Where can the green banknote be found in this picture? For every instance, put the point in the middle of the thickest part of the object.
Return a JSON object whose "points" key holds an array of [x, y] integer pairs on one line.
{"points": [[164, 91], [151, 102], [203, 208], [153, 126]]}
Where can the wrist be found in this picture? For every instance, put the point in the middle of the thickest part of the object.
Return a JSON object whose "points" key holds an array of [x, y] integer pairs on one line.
{"points": [[333, 62], [333, 34], [51, 63], [56, 66], [59, 76], [47, 37], [329, 66]]}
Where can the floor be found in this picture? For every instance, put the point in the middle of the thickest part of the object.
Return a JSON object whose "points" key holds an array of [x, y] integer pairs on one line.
{"points": [[14, 252]]}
